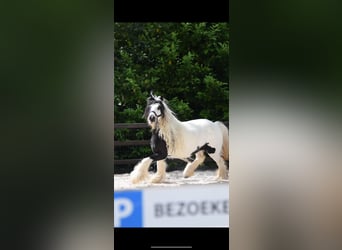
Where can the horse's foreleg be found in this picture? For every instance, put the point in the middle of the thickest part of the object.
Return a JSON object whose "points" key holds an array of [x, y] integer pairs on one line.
{"points": [[140, 171], [161, 172], [191, 166], [160, 157]]}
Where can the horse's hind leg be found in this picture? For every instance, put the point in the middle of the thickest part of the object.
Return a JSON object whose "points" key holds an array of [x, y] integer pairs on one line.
{"points": [[161, 172], [140, 171], [191, 166], [222, 172]]}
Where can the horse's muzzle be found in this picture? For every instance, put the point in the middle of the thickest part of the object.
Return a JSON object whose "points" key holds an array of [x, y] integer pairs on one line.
{"points": [[152, 118]]}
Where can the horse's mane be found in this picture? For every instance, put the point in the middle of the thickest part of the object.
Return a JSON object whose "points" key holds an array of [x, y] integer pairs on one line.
{"points": [[168, 111], [168, 126]]}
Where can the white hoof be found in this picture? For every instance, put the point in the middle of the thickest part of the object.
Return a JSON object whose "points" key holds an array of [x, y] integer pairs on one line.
{"points": [[222, 175], [157, 178], [137, 177], [188, 173]]}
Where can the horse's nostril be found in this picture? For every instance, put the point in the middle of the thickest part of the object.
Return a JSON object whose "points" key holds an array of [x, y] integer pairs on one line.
{"points": [[152, 118]]}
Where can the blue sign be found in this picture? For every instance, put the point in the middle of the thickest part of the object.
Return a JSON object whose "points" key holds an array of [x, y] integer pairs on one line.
{"points": [[128, 209]]}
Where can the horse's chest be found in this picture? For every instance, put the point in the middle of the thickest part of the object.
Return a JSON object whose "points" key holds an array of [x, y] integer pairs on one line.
{"points": [[158, 144]]}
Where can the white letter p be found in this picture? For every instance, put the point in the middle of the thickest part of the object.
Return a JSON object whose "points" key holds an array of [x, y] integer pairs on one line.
{"points": [[122, 208]]}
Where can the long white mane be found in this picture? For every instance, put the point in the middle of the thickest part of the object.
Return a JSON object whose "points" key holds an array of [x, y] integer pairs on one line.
{"points": [[168, 127]]}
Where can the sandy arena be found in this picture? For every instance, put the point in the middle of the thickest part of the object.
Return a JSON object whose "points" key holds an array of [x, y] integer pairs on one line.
{"points": [[173, 179]]}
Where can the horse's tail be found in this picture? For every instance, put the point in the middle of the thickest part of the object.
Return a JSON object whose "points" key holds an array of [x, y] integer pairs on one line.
{"points": [[225, 144]]}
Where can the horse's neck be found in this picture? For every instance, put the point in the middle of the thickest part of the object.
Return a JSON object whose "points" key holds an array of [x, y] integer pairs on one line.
{"points": [[172, 124], [169, 129]]}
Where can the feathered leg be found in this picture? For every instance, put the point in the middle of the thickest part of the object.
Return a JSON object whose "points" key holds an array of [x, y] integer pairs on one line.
{"points": [[161, 172], [191, 166], [140, 171], [222, 172]]}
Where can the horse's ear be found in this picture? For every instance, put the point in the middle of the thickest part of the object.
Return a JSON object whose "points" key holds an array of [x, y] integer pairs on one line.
{"points": [[161, 98], [150, 98]]}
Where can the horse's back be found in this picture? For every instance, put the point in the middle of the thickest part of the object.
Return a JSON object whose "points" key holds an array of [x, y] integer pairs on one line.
{"points": [[200, 131], [198, 123]]}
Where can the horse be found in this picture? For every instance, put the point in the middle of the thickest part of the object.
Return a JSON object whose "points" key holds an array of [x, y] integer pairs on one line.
{"points": [[175, 139]]}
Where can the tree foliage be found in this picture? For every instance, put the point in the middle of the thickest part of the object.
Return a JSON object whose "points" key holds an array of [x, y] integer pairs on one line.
{"points": [[186, 63]]}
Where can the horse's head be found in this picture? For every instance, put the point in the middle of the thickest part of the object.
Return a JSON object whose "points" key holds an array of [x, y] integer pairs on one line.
{"points": [[155, 110]]}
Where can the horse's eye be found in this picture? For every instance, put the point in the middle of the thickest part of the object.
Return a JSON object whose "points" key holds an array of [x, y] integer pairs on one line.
{"points": [[158, 108]]}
